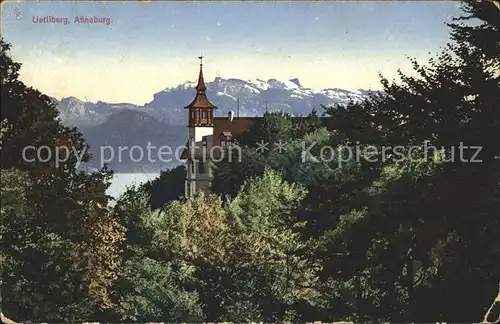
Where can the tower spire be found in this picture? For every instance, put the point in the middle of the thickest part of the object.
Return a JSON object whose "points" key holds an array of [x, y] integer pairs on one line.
{"points": [[200, 100], [200, 87]]}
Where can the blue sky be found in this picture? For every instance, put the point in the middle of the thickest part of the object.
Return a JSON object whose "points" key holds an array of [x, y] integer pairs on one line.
{"points": [[152, 45]]}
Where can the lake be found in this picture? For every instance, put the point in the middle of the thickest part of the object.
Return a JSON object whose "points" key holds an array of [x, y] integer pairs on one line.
{"points": [[122, 180]]}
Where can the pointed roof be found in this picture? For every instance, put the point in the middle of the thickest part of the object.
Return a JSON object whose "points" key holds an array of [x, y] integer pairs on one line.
{"points": [[201, 82], [201, 100]]}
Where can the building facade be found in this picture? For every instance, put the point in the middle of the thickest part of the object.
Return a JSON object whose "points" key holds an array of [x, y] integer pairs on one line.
{"points": [[209, 139]]}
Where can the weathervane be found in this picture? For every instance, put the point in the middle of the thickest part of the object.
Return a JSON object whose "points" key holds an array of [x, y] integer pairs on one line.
{"points": [[201, 59]]}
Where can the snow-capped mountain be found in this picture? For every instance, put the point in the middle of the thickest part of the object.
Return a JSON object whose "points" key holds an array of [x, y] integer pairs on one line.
{"points": [[255, 97], [76, 112], [162, 121]]}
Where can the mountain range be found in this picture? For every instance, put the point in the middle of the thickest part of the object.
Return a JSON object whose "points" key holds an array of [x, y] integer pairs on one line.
{"points": [[163, 120]]}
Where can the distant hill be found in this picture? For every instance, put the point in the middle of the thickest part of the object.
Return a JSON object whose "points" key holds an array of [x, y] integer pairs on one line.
{"points": [[134, 133], [76, 112]]}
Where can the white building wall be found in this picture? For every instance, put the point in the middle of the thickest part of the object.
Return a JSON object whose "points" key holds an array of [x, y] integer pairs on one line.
{"points": [[198, 132], [194, 179]]}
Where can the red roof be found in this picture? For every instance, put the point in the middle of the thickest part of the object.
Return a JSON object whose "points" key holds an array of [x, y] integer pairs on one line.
{"points": [[222, 125]]}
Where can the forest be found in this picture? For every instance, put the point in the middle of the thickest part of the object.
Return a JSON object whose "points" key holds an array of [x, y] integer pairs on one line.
{"points": [[280, 238]]}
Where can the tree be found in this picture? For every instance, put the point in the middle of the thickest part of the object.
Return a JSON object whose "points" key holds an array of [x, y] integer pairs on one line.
{"points": [[169, 186], [448, 219], [271, 128], [154, 194], [65, 212], [229, 175], [275, 256], [307, 125], [152, 290], [156, 282]]}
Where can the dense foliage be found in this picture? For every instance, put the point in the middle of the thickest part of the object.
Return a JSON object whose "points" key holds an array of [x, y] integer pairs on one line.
{"points": [[60, 252], [375, 213]]}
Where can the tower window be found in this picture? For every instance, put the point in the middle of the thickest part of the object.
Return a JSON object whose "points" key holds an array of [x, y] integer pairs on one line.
{"points": [[201, 167], [203, 117]]}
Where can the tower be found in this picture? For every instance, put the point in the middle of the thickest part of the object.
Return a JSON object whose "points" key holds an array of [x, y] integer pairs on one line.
{"points": [[200, 111], [200, 118]]}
